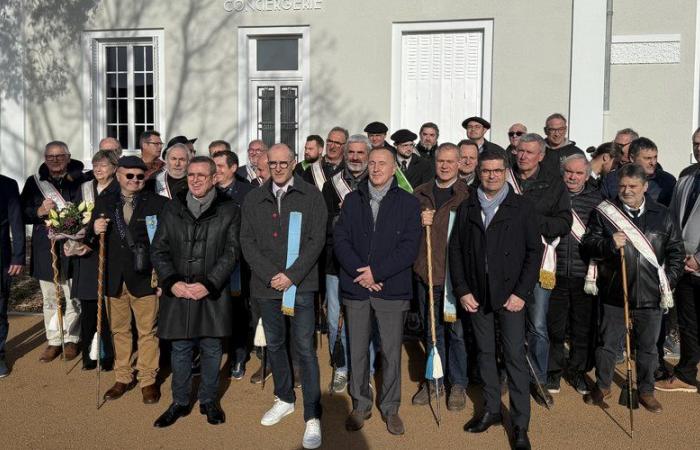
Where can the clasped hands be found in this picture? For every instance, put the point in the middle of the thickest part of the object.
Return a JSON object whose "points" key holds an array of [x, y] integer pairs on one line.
{"points": [[513, 304], [280, 282], [192, 291], [366, 280]]}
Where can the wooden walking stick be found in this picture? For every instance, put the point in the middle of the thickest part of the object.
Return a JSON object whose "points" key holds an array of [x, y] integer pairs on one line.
{"points": [[338, 355], [59, 296], [433, 369], [628, 398], [100, 297]]}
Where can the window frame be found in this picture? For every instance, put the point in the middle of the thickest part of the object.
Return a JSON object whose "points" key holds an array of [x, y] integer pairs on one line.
{"points": [[94, 74]]}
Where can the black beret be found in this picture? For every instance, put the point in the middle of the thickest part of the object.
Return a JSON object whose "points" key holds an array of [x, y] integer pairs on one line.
{"points": [[376, 128], [402, 136], [132, 162], [180, 140], [483, 122]]}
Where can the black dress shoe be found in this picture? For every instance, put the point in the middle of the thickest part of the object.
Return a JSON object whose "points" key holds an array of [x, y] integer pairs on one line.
{"points": [[215, 415], [171, 415], [483, 423], [521, 441]]}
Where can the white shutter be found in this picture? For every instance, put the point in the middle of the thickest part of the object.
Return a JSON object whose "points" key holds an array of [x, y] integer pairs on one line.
{"points": [[441, 80]]}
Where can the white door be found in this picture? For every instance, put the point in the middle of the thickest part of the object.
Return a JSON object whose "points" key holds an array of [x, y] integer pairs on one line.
{"points": [[441, 80]]}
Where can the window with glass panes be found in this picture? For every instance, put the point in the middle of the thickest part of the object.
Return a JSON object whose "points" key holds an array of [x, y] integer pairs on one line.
{"points": [[130, 95]]}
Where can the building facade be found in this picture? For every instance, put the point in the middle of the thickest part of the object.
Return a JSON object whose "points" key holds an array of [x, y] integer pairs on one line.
{"points": [[279, 70]]}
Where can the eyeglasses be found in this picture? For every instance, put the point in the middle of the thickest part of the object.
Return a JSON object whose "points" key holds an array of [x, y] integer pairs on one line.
{"points": [[274, 164], [515, 133], [56, 157], [488, 172], [331, 141], [138, 176], [158, 143], [254, 150], [555, 130]]}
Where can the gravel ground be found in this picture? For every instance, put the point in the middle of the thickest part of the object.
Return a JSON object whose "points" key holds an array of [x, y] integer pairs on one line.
{"points": [[43, 406]]}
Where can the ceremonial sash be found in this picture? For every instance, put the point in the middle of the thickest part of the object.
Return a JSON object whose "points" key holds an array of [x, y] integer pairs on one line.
{"points": [[449, 303], [293, 243], [548, 267], [403, 181], [50, 192], [151, 226], [640, 242], [305, 164], [250, 173], [162, 188], [318, 175], [578, 229], [88, 192], [341, 186]]}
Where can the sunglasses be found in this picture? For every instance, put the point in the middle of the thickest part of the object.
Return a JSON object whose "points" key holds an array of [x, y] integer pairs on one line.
{"points": [[138, 176], [515, 133]]}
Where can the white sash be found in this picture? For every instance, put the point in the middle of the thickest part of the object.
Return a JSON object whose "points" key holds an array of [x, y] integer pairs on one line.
{"points": [[250, 173], [341, 186], [162, 185], [50, 192], [640, 242], [318, 175], [88, 192], [578, 229], [548, 268]]}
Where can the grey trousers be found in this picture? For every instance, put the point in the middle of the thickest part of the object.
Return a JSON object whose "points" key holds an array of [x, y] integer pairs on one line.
{"points": [[390, 316]]}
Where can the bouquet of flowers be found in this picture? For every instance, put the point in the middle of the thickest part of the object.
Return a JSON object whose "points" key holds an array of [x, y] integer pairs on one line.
{"points": [[70, 223]]}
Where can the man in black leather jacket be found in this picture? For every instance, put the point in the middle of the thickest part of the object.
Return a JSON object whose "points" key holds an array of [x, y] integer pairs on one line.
{"points": [[603, 242]]}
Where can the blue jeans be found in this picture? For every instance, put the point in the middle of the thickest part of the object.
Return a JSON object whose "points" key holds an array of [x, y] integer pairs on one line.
{"points": [[303, 325], [333, 310], [537, 337], [210, 350], [454, 362]]}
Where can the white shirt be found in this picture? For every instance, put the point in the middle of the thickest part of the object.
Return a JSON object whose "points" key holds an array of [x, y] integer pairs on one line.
{"points": [[628, 209], [284, 188]]}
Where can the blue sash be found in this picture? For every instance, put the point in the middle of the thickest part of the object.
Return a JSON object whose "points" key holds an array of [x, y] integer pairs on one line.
{"points": [[293, 242], [449, 303], [151, 226]]}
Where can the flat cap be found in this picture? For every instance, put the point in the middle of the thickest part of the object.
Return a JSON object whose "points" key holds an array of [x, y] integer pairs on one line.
{"points": [[376, 128], [132, 162], [477, 119], [403, 135]]}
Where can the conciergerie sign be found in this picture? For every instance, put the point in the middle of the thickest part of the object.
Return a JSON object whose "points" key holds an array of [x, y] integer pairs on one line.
{"points": [[271, 5]]}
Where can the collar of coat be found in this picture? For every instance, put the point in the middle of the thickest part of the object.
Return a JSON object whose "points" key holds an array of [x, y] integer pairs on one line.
{"points": [[181, 198], [299, 186], [650, 206], [363, 188], [74, 171], [459, 190], [474, 211]]}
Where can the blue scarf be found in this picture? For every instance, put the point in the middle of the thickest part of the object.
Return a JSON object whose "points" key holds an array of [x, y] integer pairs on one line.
{"points": [[489, 206]]}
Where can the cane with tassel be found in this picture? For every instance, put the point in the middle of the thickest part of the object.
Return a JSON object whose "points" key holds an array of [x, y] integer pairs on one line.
{"points": [[59, 299], [338, 355], [628, 395], [260, 341], [433, 368]]}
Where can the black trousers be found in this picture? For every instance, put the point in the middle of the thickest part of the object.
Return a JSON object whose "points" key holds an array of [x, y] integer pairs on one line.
{"points": [[688, 309], [512, 334], [88, 327], [571, 309], [646, 323]]}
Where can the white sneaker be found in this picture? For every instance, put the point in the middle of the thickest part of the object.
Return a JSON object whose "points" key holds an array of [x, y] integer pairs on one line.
{"points": [[312, 434], [279, 410]]}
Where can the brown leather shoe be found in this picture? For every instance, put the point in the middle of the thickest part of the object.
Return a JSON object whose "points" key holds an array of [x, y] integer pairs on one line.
{"points": [[394, 424], [71, 351], [597, 397], [117, 390], [151, 394], [650, 403], [356, 420], [50, 353]]}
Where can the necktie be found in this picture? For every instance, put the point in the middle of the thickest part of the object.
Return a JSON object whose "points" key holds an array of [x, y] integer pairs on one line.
{"points": [[279, 194], [404, 166], [635, 213], [128, 209]]}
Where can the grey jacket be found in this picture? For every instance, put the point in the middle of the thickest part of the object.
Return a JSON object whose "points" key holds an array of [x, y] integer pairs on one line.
{"points": [[264, 236], [691, 231]]}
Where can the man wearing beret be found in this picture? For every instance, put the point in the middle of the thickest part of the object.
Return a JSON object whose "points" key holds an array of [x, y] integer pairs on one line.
{"points": [[376, 132], [476, 129], [418, 170], [128, 271]]}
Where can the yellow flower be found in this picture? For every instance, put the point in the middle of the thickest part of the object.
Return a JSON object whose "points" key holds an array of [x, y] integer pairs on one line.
{"points": [[81, 206], [86, 217], [53, 214], [54, 222], [90, 206], [63, 213]]}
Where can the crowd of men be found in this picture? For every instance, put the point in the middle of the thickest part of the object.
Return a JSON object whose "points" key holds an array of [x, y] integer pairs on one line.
{"points": [[524, 258]]}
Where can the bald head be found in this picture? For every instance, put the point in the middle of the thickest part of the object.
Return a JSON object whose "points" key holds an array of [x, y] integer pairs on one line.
{"points": [[110, 144]]}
